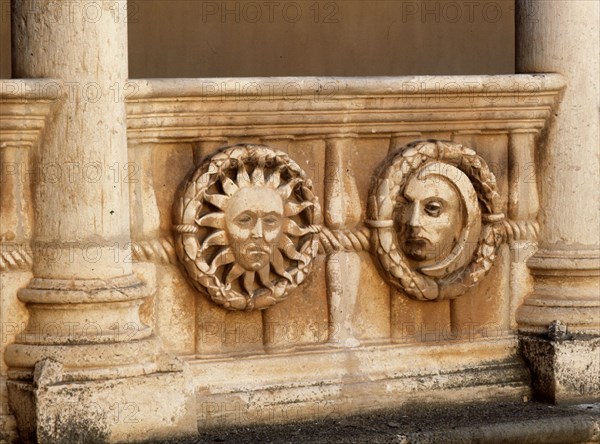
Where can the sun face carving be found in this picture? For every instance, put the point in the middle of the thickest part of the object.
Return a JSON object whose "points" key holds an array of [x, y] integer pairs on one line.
{"points": [[253, 220], [247, 237]]}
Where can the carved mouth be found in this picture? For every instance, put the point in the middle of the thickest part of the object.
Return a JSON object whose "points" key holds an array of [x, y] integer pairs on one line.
{"points": [[416, 248], [256, 250], [420, 242]]}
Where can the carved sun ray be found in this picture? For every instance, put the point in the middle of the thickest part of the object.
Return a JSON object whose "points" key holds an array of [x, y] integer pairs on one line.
{"points": [[223, 257], [217, 238], [275, 178], [278, 265], [289, 249], [248, 281], [258, 175], [263, 274], [293, 209], [243, 179], [213, 220], [229, 186], [285, 191], [234, 272], [291, 227], [218, 200]]}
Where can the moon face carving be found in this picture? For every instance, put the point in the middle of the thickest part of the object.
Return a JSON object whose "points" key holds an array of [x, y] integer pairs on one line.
{"points": [[434, 234]]}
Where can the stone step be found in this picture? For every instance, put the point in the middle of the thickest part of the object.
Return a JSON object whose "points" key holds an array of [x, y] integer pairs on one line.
{"points": [[483, 423]]}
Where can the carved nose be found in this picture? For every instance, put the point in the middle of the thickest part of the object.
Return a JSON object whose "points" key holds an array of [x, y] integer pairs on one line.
{"points": [[414, 219], [257, 231]]}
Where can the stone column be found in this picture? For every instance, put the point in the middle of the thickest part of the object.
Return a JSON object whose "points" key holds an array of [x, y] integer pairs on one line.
{"points": [[84, 299], [342, 211], [563, 36]]}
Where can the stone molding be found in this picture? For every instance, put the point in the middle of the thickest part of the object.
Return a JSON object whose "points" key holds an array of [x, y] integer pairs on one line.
{"points": [[178, 110], [26, 104], [577, 305]]}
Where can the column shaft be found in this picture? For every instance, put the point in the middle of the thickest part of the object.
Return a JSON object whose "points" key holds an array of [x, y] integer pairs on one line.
{"points": [[82, 202], [564, 36], [84, 299]]}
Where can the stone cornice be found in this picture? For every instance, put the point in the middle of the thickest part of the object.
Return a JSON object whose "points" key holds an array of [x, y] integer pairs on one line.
{"points": [[163, 110], [24, 107]]}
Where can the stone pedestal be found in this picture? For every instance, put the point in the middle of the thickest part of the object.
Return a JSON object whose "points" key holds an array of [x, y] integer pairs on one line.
{"points": [[563, 371], [563, 36], [52, 410]]}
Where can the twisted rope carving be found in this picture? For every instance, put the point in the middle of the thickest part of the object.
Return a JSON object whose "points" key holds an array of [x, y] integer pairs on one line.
{"points": [[15, 257], [159, 251], [331, 241], [520, 230]]}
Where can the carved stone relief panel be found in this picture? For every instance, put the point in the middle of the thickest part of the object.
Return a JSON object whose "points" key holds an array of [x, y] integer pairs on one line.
{"points": [[436, 219], [243, 226]]}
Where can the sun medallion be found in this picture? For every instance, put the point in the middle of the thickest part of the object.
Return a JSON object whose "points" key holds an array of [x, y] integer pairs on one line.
{"points": [[244, 226]]}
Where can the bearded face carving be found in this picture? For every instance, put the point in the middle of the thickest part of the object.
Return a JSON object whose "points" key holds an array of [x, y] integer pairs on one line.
{"points": [[429, 219], [254, 218]]}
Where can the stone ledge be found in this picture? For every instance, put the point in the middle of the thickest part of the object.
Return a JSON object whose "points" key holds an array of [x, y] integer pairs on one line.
{"points": [[336, 381], [187, 110], [484, 423]]}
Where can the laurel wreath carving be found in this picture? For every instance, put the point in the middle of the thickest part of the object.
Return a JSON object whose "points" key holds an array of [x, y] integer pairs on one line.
{"points": [[206, 268], [388, 182]]}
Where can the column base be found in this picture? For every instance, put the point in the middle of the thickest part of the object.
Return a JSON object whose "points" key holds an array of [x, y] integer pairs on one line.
{"points": [[566, 289], [150, 407], [563, 371]]}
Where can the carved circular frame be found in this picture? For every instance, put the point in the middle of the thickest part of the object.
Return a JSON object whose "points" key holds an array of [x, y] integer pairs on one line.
{"points": [[188, 206], [389, 181]]}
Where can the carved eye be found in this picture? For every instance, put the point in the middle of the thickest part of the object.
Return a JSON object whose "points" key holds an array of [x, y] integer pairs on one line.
{"points": [[244, 220], [271, 221], [433, 208]]}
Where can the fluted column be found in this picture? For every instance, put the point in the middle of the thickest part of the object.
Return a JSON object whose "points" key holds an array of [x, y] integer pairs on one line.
{"points": [[563, 36]]}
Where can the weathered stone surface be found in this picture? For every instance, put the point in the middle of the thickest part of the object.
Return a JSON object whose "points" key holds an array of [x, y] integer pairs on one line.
{"points": [[566, 268], [295, 211], [343, 381], [567, 265], [68, 225], [428, 230], [116, 410], [564, 371]]}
